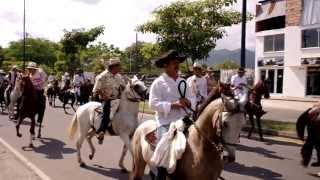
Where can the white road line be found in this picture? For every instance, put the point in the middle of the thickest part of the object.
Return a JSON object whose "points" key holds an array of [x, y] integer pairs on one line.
{"points": [[30, 165]]}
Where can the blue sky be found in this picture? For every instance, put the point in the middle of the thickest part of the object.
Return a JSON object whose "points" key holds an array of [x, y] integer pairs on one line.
{"points": [[48, 18]]}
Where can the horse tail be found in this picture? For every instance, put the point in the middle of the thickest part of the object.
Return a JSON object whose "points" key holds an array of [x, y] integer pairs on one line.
{"points": [[73, 126], [302, 123]]}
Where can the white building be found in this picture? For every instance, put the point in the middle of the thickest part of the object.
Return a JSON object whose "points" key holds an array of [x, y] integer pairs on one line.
{"points": [[288, 47]]}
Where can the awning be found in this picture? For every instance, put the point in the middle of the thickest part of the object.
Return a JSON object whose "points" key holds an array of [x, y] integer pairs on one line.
{"points": [[270, 9]]}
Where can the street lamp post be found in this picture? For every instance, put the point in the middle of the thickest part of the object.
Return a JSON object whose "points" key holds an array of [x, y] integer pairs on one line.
{"points": [[24, 34], [243, 35]]}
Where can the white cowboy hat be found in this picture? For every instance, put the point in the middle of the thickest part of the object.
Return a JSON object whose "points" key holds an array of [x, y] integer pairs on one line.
{"points": [[32, 65], [66, 74], [114, 61], [197, 65], [2, 71]]}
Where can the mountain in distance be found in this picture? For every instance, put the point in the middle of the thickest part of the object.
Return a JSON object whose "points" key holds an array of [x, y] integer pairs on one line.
{"points": [[219, 56]]}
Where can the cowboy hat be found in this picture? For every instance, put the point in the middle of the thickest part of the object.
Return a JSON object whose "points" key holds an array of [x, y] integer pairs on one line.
{"points": [[114, 61], [210, 69], [197, 65], [241, 70], [66, 74], [2, 71], [166, 57], [32, 65]]}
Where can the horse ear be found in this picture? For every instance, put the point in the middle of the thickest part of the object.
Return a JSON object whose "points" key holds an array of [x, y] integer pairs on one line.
{"points": [[143, 78]]}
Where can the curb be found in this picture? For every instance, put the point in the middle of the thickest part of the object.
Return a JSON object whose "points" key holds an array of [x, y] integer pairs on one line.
{"points": [[25, 161], [264, 131]]}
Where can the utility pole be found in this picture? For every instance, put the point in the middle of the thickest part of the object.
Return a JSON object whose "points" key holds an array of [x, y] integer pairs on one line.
{"points": [[243, 34], [136, 53], [24, 34]]}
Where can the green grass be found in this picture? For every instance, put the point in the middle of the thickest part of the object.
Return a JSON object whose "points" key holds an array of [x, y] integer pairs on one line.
{"points": [[278, 126]]}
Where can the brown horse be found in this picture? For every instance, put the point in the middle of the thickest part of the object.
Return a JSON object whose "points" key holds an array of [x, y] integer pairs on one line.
{"points": [[312, 122], [202, 156], [28, 107], [254, 107]]}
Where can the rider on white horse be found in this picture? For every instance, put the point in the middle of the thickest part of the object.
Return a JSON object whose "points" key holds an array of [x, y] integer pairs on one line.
{"points": [[239, 83], [108, 87], [165, 99], [78, 81]]}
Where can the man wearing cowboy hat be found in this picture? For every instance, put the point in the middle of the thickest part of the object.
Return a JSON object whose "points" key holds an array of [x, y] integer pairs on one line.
{"points": [[12, 75], [198, 84], [239, 80], [78, 82], [65, 81], [165, 99], [211, 80], [38, 78], [108, 87]]}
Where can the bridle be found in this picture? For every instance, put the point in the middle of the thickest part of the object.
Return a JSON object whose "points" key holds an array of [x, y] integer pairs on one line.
{"points": [[131, 95]]}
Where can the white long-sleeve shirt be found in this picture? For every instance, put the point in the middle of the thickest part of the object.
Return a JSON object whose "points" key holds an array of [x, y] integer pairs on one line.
{"points": [[78, 80], [198, 86], [163, 92]]}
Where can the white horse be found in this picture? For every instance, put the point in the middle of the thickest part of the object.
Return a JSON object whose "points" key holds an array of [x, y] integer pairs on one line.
{"points": [[124, 122], [15, 94]]}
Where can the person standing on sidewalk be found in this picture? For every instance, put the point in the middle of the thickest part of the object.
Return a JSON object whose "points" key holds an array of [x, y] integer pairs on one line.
{"points": [[198, 84]]}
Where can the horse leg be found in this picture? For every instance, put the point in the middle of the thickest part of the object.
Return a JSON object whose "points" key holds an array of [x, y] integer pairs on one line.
{"points": [[123, 154], [32, 133], [89, 140], [64, 106], [79, 144], [252, 125], [18, 127], [231, 150], [138, 162], [72, 105], [259, 128]]}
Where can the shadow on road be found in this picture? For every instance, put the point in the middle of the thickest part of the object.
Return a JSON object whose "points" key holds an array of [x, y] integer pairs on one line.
{"points": [[109, 172], [259, 150], [254, 171], [53, 148], [282, 143]]}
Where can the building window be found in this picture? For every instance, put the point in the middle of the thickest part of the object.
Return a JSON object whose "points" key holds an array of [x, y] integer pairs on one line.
{"points": [[274, 43], [311, 38], [274, 79], [313, 81]]}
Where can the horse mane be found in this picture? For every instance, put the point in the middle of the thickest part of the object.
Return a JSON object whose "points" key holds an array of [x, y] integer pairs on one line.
{"points": [[214, 94], [28, 87], [301, 123]]}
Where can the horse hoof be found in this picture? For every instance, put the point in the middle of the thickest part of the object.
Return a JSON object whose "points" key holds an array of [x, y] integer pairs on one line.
{"points": [[31, 146], [83, 165], [19, 135], [39, 136], [124, 170], [90, 156]]}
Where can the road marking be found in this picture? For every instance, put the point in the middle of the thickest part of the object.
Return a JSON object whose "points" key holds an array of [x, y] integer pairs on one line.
{"points": [[24, 160]]}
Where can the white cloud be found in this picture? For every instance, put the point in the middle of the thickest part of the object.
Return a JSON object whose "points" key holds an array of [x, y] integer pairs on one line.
{"points": [[48, 18]]}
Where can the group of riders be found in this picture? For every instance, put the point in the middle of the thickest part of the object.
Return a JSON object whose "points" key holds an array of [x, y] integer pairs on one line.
{"points": [[166, 97]]}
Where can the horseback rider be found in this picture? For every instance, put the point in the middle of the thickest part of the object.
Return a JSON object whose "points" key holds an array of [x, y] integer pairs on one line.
{"points": [[12, 76], [108, 87], [78, 81], [198, 84], [51, 79], [211, 81], [66, 82], [38, 79], [165, 99]]}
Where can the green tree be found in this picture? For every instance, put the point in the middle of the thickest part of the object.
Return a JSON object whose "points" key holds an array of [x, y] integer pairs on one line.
{"points": [[149, 51], [133, 53], [39, 50], [191, 27], [73, 42], [227, 64], [1, 55]]}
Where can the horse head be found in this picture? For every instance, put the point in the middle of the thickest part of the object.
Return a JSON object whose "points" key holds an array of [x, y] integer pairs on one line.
{"points": [[138, 89]]}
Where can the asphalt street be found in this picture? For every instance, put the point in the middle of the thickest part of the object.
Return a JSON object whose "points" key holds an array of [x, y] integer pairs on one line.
{"points": [[55, 154]]}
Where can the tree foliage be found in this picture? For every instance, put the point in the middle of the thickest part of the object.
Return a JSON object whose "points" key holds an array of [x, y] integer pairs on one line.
{"points": [[39, 50], [191, 27], [76, 40], [227, 64]]}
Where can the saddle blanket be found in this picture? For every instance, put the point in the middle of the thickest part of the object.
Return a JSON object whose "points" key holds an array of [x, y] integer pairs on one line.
{"points": [[170, 148]]}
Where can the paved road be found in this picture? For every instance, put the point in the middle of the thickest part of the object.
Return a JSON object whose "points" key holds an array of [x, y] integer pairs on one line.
{"points": [[55, 155]]}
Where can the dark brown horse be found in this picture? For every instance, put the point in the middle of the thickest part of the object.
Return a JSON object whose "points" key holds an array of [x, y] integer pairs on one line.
{"points": [[29, 107], [313, 139], [254, 106]]}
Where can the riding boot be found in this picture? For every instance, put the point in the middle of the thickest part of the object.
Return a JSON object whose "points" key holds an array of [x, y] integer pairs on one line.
{"points": [[104, 121], [162, 173]]}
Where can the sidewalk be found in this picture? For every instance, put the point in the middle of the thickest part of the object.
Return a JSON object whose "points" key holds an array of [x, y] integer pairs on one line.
{"points": [[12, 168]]}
